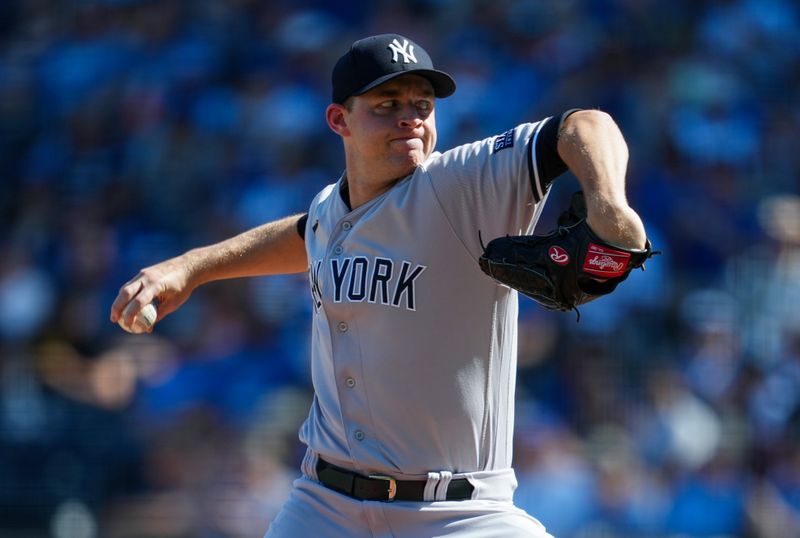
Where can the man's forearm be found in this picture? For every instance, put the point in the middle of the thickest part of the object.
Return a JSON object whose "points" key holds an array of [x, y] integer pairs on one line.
{"points": [[270, 249], [593, 148]]}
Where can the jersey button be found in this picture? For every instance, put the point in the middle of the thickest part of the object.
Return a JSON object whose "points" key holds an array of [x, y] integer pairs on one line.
{"points": [[338, 249], [350, 382], [346, 225], [342, 327], [359, 435]]}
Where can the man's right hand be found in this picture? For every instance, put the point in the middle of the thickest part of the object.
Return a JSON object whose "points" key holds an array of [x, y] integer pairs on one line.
{"points": [[168, 283]]}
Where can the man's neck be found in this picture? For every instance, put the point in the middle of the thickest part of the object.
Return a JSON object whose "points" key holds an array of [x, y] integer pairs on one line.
{"points": [[357, 194], [361, 188]]}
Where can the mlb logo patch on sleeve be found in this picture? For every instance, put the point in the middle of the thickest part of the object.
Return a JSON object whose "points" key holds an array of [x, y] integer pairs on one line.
{"points": [[503, 141]]}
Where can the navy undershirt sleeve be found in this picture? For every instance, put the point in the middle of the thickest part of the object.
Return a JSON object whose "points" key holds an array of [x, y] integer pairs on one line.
{"points": [[301, 226], [549, 162]]}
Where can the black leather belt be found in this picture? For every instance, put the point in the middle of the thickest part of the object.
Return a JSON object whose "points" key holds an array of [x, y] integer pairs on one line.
{"points": [[384, 488]]}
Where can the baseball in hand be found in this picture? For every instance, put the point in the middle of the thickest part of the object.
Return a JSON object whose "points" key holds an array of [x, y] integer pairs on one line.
{"points": [[143, 320]]}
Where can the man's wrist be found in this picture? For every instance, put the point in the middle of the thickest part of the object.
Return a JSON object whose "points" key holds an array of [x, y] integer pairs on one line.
{"points": [[195, 264], [620, 225]]}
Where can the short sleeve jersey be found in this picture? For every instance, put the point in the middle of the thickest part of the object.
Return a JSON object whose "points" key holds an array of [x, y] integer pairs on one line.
{"points": [[413, 347]]}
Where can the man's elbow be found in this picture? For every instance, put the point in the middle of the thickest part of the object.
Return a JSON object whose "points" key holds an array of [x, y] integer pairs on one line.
{"points": [[592, 119]]}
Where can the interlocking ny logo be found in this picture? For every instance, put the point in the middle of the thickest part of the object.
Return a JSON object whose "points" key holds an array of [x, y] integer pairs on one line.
{"points": [[406, 49]]}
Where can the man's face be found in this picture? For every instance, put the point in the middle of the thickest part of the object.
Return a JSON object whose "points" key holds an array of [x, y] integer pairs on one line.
{"points": [[394, 125]]}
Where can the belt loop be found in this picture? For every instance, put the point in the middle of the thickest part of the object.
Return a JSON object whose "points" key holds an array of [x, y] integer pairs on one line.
{"points": [[441, 487], [309, 464], [429, 493]]}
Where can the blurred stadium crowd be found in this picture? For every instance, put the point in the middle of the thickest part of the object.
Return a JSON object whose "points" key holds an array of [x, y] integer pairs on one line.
{"points": [[132, 130]]}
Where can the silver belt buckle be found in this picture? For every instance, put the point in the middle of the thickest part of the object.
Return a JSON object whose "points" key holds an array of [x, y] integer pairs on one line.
{"points": [[392, 491]]}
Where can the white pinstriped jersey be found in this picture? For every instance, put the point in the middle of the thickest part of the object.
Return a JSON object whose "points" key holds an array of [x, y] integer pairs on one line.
{"points": [[413, 347]]}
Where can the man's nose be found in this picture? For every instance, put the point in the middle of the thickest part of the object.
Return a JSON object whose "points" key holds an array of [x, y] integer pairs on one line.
{"points": [[410, 117]]}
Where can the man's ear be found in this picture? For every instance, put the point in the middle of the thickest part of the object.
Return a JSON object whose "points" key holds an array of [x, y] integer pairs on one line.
{"points": [[336, 115]]}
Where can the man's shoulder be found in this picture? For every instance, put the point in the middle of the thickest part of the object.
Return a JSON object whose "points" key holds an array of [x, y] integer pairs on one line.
{"points": [[452, 156], [432, 158], [326, 192], [324, 196], [484, 148]]}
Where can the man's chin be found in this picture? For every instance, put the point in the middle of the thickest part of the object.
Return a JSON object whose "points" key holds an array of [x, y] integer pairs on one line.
{"points": [[414, 158]]}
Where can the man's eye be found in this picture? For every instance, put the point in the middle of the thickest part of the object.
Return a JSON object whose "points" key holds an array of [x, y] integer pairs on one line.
{"points": [[387, 104], [424, 105]]}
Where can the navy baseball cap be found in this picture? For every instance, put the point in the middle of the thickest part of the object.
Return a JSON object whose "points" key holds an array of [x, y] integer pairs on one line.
{"points": [[373, 60]]}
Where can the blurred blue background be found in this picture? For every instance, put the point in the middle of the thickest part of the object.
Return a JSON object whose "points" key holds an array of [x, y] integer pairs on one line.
{"points": [[132, 130]]}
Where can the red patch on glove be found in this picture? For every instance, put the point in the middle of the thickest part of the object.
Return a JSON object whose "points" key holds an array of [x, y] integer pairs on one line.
{"points": [[605, 262]]}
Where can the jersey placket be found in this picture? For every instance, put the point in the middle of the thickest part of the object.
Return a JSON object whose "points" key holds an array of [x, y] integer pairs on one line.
{"points": [[346, 343]]}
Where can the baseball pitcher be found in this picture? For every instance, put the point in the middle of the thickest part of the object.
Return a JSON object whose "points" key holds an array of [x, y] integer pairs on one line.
{"points": [[413, 346]]}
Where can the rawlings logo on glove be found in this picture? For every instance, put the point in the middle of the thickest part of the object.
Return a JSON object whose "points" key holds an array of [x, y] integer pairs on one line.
{"points": [[559, 255], [568, 267], [606, 262]]}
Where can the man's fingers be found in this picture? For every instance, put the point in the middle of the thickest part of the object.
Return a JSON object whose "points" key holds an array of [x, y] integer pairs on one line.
{"points": [[163, 284], [132, 297], [127, 292]]}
